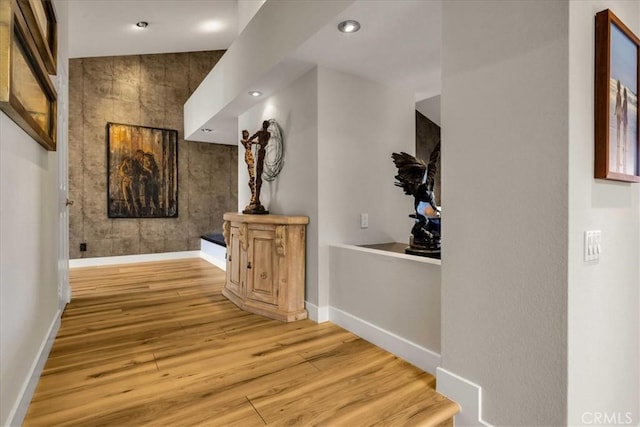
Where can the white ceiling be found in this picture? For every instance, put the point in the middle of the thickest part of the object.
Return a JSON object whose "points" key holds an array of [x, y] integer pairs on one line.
{"points": [[107, 27], [399, 42]]}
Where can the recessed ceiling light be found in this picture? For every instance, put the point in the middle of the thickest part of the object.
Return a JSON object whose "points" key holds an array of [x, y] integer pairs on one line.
{"points": [[211, 26], [142, 24], [206, 130], [349, 26], [255, 93]]}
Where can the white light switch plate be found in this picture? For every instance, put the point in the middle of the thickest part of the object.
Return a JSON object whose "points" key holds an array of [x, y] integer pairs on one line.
{"points": [[364, 220], [592, 245]]}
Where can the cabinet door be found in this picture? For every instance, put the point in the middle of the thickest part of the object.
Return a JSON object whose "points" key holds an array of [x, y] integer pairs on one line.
{"points": [[234, 262], [262, 268]]}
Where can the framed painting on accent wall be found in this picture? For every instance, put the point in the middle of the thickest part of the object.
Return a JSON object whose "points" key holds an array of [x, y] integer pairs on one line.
{"points": [[142, 172], [617, 60]]}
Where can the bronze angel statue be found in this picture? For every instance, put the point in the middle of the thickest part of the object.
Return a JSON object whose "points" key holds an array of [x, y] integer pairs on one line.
{"points": [[417, 180]]}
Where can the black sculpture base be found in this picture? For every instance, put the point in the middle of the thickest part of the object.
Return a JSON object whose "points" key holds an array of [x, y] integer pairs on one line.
{"points": [[431, 253], [429, 247], [255, 210]]}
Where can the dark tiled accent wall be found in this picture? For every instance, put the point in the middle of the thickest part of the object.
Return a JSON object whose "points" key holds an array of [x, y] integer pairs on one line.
{"points": [[427, 136], [147, 90]]}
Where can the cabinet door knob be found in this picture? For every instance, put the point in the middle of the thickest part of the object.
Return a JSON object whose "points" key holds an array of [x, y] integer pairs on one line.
{"points": [[249, 264]]}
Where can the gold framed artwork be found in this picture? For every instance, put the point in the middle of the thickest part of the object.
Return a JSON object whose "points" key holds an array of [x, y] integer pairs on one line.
{"points": [[617, 73], [142, 172], [41, 20], [26, 92]]}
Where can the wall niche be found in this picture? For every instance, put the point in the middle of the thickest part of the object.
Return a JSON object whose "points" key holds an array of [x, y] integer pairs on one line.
{"points": [[146, 90], [427, 137]]}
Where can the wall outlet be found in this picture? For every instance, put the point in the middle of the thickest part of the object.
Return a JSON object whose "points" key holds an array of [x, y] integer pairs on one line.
{"points": [[83, 247], [364, 220]]}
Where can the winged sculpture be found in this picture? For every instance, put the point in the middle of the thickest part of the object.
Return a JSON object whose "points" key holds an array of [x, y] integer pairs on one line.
{"points": [[417, 179]]}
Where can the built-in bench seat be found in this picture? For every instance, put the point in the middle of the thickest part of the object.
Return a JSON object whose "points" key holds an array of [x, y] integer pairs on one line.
{"points": [[216, 238], [214, 249]]}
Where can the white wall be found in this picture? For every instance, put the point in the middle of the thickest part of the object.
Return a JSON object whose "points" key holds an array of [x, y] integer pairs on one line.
{"points": [[246, 10], [399, 294], [295, 191], [62, 21], [504, 172], [360, 124], [28, 254], [604, 326], [340, 131], [430, 108]]}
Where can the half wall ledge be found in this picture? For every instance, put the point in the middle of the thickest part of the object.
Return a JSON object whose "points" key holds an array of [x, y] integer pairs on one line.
{"points": [[391, 249], [391, 299]]}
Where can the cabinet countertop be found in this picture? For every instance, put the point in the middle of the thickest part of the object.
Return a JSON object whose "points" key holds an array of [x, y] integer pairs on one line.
{"points": [[265, 219]]}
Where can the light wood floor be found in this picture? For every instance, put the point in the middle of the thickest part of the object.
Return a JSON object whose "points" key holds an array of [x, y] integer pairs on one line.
{"points": [[158, 344]]}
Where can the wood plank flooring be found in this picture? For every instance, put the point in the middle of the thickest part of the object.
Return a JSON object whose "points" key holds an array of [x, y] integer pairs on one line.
{"points": [[157, 344]]}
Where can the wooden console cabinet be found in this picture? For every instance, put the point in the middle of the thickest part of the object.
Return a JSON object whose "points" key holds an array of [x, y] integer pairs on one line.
{"points": [[266, 264]]}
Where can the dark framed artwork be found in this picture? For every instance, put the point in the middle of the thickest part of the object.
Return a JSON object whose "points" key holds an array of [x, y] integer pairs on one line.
{"points": [[142, 172], [26, 92], [617, 142]]}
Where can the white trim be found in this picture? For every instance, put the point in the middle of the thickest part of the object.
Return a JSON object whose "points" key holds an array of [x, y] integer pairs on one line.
{"points": [[413, 353], [222, 265], [467, 394], [20, 407], [317, 314], [128, 259], [214, 253]]}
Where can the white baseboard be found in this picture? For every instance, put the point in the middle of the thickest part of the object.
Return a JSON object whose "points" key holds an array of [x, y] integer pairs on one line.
{"points": [[128, 259], [213, 253], [467, 394], [317, 314], [419, 356], [212, 260], [19, 410]]}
